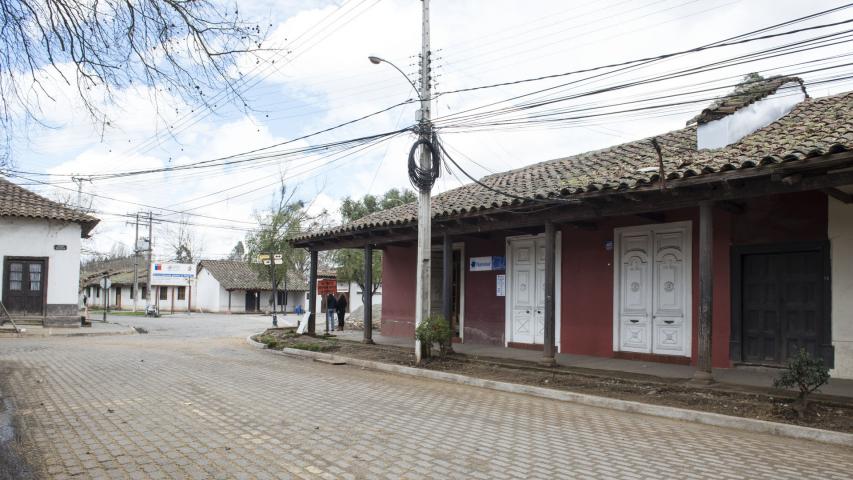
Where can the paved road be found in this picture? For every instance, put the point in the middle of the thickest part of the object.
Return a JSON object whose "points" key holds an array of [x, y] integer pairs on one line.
{"points": [[193, 401]]}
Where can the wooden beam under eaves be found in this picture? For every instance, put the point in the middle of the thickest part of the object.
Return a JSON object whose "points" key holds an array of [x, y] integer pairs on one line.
{"points": [[839, 195]]}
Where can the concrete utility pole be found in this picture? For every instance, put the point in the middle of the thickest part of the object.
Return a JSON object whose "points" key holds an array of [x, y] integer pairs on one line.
{"points": [[422, 300], [136, 263], [79, 181], [150, 247]]}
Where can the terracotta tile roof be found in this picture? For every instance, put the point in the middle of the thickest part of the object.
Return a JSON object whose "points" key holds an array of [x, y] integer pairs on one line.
{"points": [[239, 275], [746, 93], [16, 201], [814, 127]]}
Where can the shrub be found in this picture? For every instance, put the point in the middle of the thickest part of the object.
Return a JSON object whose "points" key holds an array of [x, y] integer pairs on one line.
{"points": [[433, 329], [268, 340], [805, 373]]}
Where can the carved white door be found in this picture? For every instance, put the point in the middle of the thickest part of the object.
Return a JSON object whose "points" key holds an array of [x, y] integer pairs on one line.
{"points": [[635, 292], [523, 290], [670, 285], [539, 306], [653, 290]]}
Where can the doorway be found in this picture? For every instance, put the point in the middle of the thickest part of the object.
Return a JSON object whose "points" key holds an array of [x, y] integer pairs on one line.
{"points": [[25, 285], [652, 294], [456, 287], [253, 303], [525, 293], [780, 297]]}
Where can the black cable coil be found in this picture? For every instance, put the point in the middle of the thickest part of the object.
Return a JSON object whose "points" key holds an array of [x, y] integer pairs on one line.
{"points": [[422, 179]]}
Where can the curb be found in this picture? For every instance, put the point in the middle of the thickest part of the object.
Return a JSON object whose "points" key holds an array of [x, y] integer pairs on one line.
{"points": [[129, 331], [673, 413]]}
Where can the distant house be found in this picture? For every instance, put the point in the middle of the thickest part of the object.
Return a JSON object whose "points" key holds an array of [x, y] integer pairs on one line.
{"points": [[120, 292], [40, 248], [235, 287]]}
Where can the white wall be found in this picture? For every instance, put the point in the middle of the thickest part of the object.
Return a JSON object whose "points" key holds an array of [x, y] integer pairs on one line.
{"points": [[208, 293], [841, 244], [25, 237]]}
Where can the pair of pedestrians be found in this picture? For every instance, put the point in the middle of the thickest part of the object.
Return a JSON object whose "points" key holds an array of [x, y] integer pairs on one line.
{"points": [[335, 306]]}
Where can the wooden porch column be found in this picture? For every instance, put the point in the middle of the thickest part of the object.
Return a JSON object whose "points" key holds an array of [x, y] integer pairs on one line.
{"points": [[447, 286], [312, 293], [703, 374], [447, 280], [367, 294], [550, 296], [229, 301]]}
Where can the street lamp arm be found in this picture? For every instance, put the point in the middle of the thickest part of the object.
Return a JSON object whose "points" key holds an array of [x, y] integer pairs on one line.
{"points": [[377, 61]]}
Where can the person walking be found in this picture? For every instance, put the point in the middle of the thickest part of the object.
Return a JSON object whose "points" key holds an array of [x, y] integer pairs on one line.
{"points": [[342, 311], [331, 306]]}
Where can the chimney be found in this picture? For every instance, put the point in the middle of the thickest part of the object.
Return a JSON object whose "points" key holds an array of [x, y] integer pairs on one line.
{"points": [[755, 103]]}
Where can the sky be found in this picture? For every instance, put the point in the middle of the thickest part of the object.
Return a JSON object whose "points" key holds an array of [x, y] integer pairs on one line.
{"points": [[321, 77]]}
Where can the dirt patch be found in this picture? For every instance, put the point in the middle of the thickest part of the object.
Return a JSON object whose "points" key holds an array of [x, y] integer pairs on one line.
{"points": [[726, 400]]}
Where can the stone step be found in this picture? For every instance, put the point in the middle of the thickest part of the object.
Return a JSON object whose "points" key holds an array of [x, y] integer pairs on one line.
{"points": [[28, 320]]}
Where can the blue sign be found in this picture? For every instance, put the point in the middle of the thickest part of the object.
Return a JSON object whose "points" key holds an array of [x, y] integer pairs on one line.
{"points": [[484, 264]]}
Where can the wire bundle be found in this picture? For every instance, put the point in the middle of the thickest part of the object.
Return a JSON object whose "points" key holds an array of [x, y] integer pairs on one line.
{"points": [[422, 179]]}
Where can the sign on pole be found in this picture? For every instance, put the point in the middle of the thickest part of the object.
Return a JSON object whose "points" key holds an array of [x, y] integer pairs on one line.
{"points": [[277, 256], [172, 274], [262, 257], [326, 286], [105, 283]]}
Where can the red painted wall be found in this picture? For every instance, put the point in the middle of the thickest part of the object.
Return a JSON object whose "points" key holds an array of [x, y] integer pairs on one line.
{"points": [[484, 310], [587, 274], [398, 291]]}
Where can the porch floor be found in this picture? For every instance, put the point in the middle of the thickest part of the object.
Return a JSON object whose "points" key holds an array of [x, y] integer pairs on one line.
{"points": [[740, 376]]}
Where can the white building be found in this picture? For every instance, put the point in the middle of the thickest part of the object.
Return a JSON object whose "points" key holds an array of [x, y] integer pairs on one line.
{"points": [[40, 248], [235, 287], [120, 292]]}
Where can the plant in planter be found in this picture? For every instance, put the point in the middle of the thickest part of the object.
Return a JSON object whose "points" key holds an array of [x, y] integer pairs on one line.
{"points": [[805, 373], [433, 329]]}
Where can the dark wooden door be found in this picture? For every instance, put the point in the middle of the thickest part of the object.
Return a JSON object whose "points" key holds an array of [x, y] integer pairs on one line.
{"points": [[251, 301], [24, 286], [783, 305]]}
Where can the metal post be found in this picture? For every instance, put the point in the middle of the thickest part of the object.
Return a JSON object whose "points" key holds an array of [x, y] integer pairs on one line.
{"points": [[106, 298], [312, 294], [446, 281], [272, 275], [703, 374], [367, 294], [136, 263], [422, 300], [229, 301], [550, 296], [148, 267]]}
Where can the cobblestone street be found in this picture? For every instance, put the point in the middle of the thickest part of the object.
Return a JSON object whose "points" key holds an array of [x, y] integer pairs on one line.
{"points": [[187, 402]]}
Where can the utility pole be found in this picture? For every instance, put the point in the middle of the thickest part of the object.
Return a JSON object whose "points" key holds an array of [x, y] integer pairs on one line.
{"points": [[136, 263], [422, 300], [150, 247], [79, 181], [274, 292]]}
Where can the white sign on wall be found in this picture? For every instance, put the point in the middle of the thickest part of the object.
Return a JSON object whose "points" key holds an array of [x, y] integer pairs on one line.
{"points": [[501, 287], [176, 274]]}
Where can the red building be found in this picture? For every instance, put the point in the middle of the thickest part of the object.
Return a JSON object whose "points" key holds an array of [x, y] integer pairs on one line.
{"points": [[740, 224]]}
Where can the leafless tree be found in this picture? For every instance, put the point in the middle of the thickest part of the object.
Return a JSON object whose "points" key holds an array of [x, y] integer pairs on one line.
{"points": [[184, 245], [187, 49]]}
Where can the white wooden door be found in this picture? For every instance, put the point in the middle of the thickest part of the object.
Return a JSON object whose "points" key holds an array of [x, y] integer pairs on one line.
{"points": [[654, 290], [670, 285], [523, 291], [635, 292], [539, 306]]}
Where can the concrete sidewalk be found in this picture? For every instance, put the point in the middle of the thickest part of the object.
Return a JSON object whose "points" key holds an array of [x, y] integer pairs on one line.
{"points": [[760, 377]]}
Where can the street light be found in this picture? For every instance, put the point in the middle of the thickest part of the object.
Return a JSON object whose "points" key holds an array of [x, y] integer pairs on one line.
{"points": [[425, 134], [377, 60]]}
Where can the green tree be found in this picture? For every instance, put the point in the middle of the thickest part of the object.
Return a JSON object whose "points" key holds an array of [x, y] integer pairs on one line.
{"points": [[238, 252], [351, 262]]}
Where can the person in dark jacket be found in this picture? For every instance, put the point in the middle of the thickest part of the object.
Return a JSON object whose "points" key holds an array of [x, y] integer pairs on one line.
{"points": [[331, 306], [342, 311]]}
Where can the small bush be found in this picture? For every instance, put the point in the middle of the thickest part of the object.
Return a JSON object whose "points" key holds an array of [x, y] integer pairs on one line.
{"points": [[805, 373], [268, 340], [433, 329]]}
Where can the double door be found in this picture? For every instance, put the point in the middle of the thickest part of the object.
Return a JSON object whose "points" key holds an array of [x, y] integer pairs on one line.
{"points": [[653, 289], [527, 290], [24, 286]]}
